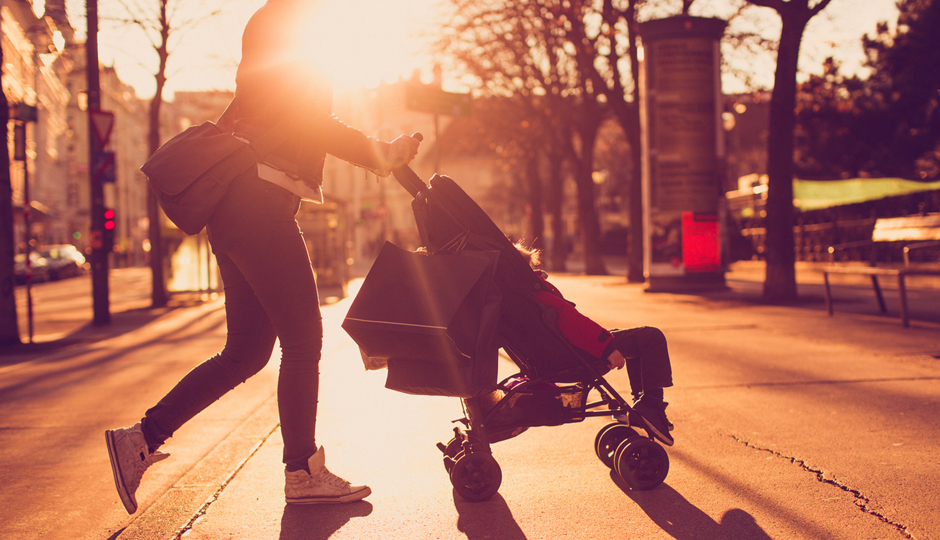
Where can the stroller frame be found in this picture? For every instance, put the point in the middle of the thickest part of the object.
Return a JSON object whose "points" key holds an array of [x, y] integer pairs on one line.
{"points": [[460, 224]]}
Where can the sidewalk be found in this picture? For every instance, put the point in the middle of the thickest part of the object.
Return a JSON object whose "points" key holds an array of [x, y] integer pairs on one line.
{"points": [[240, 483], [236, 490]]}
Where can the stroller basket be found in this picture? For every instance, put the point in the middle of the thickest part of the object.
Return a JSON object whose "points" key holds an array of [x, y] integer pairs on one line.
{"points": [[520, 403]]}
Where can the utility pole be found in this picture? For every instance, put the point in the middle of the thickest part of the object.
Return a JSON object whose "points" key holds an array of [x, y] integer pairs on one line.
{"points": [[96, 142]]}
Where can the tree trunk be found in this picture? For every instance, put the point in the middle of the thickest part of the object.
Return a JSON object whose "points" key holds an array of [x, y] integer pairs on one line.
{"points": [[628, 116], [536, 215], [780, 279], [158, 296], [9, 325], [631, 125], [584, 180], [635, 244], [556, 193], [587, 214]]}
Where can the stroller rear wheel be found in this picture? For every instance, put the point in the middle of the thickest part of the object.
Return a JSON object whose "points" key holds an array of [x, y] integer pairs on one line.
{"points": [[609, 438], [476, 476], [642, 463]]}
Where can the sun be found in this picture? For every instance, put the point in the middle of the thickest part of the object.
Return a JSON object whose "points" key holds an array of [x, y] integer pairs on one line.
{"points": [[361, 43]]}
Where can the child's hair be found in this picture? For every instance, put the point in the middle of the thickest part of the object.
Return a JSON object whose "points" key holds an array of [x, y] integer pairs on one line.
{"points": [[534, 256]]}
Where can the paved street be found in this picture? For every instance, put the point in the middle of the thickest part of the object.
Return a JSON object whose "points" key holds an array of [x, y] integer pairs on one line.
{"points": [[790, 424]]}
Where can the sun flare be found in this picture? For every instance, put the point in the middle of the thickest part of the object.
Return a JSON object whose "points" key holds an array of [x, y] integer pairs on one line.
{"points": [[362, 43]]}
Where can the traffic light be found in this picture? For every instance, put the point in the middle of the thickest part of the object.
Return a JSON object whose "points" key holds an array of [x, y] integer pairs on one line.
{"points": [[108, 229]]}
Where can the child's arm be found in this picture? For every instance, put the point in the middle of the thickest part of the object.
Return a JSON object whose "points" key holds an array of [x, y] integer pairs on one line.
{"points": [[581, 331], [578, 329]]}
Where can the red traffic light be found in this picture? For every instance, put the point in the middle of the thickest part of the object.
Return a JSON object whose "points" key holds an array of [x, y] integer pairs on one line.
{"points": [[108, 219]]}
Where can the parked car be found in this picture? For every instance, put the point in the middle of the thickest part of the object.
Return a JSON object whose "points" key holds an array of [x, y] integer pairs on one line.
{"points": [[64, 260], [38, 268]]}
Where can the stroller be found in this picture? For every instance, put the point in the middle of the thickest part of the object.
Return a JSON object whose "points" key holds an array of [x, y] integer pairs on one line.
{"points": [[436, 319]]}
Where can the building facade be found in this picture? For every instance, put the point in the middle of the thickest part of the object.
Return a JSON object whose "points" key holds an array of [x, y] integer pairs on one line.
{"points": [[36, 62], [45, 84]]}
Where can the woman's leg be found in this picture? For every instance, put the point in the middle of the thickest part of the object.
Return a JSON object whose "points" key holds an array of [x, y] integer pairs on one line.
{"points": [[248, 346], [256, 229]]}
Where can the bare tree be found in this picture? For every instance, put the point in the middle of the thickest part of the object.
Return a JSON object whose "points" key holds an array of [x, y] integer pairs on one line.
{"points": [[158, 25], [522, 50], [609, 62], [780, 280]]}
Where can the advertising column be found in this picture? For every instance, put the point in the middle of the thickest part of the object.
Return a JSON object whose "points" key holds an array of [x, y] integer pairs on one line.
{"points": [[683, 152]]}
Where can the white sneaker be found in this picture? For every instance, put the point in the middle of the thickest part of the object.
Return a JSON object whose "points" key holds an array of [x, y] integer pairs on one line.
{"points": [[320, 486], [130, 457]]}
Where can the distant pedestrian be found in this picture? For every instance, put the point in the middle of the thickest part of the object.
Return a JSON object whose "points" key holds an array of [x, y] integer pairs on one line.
{"points": [[643, 350], [270, 289]]}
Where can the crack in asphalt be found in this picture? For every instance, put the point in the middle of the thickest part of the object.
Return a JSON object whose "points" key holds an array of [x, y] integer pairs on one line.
{"points": [[860, 500], [199, 514]]}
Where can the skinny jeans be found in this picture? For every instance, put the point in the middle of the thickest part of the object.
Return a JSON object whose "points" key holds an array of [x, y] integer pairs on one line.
{"points": [[270, 293], [647, 357]]}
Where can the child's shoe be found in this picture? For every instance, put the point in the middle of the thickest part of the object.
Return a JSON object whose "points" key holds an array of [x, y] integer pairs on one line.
{"points": [[130, 457], [653, 417], [320, 486]]}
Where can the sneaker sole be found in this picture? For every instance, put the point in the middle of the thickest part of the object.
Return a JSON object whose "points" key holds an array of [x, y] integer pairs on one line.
{"points": [[129, 503], [348, 498]]}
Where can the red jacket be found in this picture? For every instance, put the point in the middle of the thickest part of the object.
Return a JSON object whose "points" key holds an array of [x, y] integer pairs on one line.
{"points": [[579, 330]]}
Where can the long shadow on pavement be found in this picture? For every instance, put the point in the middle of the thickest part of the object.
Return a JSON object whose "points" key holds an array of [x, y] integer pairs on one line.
{"points": [[121, 323], [682, 520], [488, 519], [316, 522]]}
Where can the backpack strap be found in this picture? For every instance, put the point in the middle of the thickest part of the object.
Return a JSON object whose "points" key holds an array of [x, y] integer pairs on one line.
{"points": [[263, 145]]}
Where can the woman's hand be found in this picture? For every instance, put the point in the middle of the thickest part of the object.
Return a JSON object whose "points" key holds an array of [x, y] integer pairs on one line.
{"points": [[616, 360], [401, 151]]}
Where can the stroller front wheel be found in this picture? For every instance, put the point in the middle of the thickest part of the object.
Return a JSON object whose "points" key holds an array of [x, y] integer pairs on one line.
{"points": [[451, 450], [476, 476], [642, 463], [609, 438]]}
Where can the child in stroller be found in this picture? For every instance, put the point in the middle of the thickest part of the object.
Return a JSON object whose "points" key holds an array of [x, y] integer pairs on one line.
{"points": [[642, 349]]}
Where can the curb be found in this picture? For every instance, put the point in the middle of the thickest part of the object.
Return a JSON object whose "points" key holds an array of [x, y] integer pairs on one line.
{"points": [[190, 497]]}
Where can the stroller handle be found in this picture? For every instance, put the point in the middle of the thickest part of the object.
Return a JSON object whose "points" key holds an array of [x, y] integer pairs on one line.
{"points": [[408, 178]]}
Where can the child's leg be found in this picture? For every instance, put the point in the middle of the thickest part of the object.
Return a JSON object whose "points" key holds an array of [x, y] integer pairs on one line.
{"points": [[649, 370], [647, 354]]}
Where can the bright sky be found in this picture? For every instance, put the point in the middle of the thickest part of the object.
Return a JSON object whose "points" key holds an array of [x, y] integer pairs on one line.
{"points": [[837, 31], [383, 39]]}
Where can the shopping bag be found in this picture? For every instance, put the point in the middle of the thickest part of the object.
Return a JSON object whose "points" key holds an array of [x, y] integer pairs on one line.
{"points": [[431, 319]]}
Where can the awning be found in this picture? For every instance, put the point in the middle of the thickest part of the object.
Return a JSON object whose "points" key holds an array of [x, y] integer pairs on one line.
{"points": [[818, 194]]}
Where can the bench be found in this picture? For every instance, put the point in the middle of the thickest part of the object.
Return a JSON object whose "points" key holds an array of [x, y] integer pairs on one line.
{"points": [[874, 272], [924, 233]]}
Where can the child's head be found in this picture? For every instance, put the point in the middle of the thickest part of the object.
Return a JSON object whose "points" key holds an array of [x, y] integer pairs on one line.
{"points": [[531, 254]]}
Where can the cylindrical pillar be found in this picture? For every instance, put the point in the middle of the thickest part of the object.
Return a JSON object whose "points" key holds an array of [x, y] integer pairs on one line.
{"points": [[683, 152]]}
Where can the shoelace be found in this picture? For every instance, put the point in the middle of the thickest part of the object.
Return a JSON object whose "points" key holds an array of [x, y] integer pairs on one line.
{"points": [[326, 477]]}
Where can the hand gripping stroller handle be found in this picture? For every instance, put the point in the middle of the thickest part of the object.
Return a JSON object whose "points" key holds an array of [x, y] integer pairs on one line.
{"points": [[407, 178]]}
